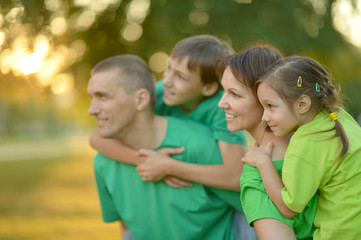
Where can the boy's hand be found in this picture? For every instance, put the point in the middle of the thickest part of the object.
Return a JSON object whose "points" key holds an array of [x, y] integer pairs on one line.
{"points": [[154, 167], [170, 151], [256, 155], [176, 182]]}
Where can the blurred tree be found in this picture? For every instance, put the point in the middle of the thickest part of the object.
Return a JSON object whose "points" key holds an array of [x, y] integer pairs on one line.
{"points": [[69, 37]]}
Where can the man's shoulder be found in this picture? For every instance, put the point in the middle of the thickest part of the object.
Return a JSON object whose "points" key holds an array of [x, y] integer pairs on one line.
{"points": [[188, 125]]}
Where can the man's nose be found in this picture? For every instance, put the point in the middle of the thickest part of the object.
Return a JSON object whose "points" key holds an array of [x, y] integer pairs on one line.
{"points": [[93, 108]]}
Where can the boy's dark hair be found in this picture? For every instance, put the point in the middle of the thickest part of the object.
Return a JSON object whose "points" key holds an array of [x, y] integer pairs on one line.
{"points": [[316, 83], [202, 51], [133, 73]]}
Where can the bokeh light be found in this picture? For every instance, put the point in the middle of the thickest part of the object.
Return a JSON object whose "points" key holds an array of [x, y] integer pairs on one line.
{"points": [[132, 32], [158, 62], [31, 63], [347, 20], [137, 11], [86, 19], [2, 37], [62, 83], [58, 26]]}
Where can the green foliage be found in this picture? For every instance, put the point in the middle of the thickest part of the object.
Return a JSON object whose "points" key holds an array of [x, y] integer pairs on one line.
{"points": [[295, 27]]}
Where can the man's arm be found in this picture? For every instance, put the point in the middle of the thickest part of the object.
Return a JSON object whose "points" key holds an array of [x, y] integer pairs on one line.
{"points": [[224, 176], [114, 149]]}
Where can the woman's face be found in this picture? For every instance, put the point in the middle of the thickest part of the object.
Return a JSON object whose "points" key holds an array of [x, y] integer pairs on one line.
{"points": [[243, 112]]}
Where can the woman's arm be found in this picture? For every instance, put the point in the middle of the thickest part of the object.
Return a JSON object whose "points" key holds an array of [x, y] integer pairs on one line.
{"points": [[260, 157], [271, 229], [224, 176]]}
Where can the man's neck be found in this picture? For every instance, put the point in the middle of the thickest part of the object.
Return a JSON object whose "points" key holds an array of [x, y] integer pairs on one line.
{"points": [[147, 133]]}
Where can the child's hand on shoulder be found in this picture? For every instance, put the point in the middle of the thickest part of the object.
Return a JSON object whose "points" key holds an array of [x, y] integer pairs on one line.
{"points": [[257, 155]]}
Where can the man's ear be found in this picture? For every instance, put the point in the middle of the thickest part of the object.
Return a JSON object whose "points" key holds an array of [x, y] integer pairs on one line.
{"points": [[142, 99], [209, 89], [303, 104]]}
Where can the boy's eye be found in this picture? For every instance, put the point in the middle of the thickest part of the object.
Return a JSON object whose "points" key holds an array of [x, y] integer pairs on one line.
{"points": [[181, 77], [235, 94]]}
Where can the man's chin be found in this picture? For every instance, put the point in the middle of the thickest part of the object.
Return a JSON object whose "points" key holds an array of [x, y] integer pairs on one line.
{"points": [[104, 134]]}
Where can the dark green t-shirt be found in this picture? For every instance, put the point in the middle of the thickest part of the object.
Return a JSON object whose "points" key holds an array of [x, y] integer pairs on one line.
{"points": [[154, 210]]}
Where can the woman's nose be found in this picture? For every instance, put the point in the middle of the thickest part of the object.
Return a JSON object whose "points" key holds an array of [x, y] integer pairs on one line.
{"points": [[223, 104]]}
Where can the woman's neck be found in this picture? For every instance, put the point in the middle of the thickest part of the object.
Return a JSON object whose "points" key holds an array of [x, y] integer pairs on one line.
{"points": [[258, 133], [262, 137]]}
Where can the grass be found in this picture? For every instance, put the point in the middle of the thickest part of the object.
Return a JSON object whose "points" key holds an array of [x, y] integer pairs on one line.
{"points": [[53, 198]]}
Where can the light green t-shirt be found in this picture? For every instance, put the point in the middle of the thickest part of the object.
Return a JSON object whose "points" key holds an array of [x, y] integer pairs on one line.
{"points": [[207, 112], [309, 165], [154, 210]]}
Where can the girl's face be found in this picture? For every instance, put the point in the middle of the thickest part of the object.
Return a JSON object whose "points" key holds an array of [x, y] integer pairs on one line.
{"points": [[243, 112], [277, 113]]}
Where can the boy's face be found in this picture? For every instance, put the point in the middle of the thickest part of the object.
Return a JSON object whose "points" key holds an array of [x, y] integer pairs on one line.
{"points": [[243, 112], [181, 86], [112, 107], [277, 114]]}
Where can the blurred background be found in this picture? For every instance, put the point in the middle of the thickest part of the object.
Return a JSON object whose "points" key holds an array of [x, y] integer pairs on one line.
{"points": [[47, 49]]}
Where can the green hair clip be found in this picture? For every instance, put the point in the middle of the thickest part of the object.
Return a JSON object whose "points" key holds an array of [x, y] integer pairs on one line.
{"points": [[317, 87]]}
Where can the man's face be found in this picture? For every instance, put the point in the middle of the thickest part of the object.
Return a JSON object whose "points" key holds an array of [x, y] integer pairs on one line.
{"points": [[112, 107], [181, 86]]}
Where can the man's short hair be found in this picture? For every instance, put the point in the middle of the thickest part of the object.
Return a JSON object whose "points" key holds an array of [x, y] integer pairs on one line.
{"points": [[133, 74]]}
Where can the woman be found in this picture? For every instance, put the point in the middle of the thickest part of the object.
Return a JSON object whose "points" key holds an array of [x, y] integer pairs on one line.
{"points": [[244, 112]]}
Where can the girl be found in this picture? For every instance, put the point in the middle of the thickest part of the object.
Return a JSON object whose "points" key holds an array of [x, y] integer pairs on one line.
{"points": [[243, 112], [324, 154]]}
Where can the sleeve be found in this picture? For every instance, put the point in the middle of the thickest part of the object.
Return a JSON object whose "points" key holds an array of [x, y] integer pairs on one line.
{"points": [[108, 208], [302, 179]]}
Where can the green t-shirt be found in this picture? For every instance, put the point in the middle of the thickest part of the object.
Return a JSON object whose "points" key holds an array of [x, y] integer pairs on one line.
{"points": [[207, 112], [310, 165], [154, 210], [257, 204]]}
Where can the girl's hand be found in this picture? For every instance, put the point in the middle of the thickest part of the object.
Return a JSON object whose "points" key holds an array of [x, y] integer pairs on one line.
{"points": [[256, 155]]}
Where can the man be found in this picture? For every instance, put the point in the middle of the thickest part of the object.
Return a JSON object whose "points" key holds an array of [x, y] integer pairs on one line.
{"points": [[122, 92]]}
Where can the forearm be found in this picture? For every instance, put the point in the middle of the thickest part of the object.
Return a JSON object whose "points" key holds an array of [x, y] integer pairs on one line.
{"points": [[224, 176], [216, 176], [115, 150], [273, 185]]}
